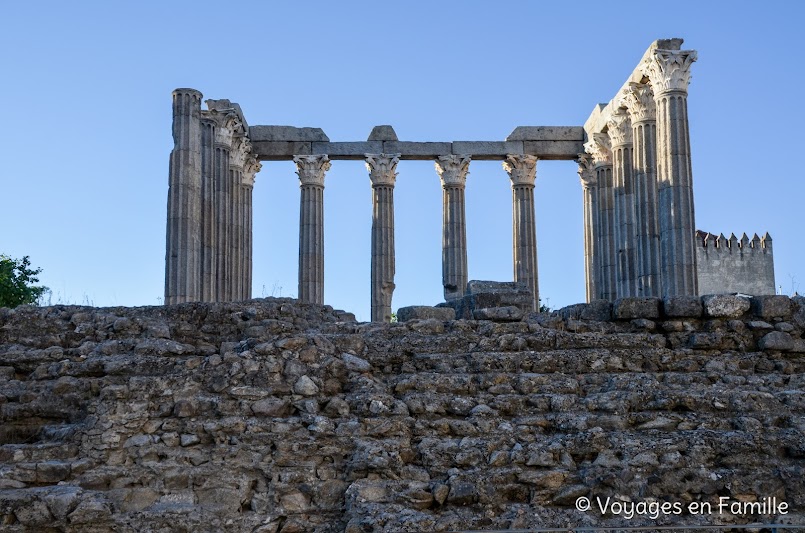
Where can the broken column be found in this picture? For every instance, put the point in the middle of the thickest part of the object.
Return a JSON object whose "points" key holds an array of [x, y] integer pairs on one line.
{"points": [[669, 74], [639, 100], [453, 170], [311, 170], [183, 246], [382, 173], [591, 229], [619, 130], [522, 170]]}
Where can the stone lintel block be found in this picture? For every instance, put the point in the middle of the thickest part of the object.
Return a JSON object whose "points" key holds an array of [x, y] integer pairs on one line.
{"points": [[487, 149], [630, 308], [348, 150], [417, 150], [412, 312], [554, 150], [286, 133], [547, 133], [724, 305], [776, 341], [772, 306], [682, 307], [382, 133], [509, 313], [487, 294], [279, 150]]}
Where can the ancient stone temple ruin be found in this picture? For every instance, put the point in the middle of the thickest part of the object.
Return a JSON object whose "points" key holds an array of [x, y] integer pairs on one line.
{"points": [[634, 162]]}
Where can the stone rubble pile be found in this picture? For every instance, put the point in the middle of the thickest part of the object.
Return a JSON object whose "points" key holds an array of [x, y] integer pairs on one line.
{"points": [[272, 415]]}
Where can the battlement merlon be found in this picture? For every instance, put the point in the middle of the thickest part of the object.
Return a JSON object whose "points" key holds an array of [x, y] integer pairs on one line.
{"points": [[281, 143], [602, 113]]}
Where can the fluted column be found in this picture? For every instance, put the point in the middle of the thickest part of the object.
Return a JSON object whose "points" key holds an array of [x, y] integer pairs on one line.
{"points": [[183, 243], [619, 129], [311, 170], [453, 170], [591, 229], [382, 173], [639, 100], [208, 227], [599, 149], [522, 170], [222, 176], [251, 168], [669, 74]]}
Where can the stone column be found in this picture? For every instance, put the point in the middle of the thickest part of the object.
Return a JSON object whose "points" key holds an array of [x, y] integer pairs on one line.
{"points": [[224, 168], [591, 229], [251, 168], [453, 170], [599, 150], [522, 170], [382, 173], [619, 129], [639, 100], [311, 170], [669, 74], [183, 243], [208, 224]]}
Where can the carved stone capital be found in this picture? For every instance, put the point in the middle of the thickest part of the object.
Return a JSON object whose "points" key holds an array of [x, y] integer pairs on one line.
{"points": [[250, 168], [599, 149], [241, 150], [453, 170], [522, 169], [311, 168], [382, 169], [619, 128], [639, 100], [669, 70], [587, 171]]}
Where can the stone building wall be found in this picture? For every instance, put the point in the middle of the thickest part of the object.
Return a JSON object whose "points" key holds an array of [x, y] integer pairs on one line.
{"points": [[270, 415], [734, 265]]}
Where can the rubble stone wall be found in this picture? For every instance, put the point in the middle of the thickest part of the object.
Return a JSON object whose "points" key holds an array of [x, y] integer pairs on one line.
{"points": [[271, 415]]}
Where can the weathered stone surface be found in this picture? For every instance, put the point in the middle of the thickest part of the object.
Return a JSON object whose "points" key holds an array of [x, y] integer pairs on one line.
{"points": [[280, 150], [682, 307], [347, 150], [382, 133], [776, 340], [423, 311], [286, 134], [499, 314], [725, 305], [418, 150], [628, 308], [487, 149], [554, 150], [768, 307], [547, 133]]}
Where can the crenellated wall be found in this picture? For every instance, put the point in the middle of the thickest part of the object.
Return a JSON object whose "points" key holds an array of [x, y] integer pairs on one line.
{"points": [[733, 265]]}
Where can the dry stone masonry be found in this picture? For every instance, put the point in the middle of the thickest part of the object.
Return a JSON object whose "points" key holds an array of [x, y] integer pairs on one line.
{"points": [[280, 416], [634, 163]]}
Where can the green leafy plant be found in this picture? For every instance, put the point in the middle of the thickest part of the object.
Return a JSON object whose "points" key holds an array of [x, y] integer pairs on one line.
{"points": [[17, 282]]}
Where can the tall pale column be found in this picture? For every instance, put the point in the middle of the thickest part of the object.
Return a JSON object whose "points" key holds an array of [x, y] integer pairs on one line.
{"points": [[619, 129], [208, 227], [591, 229], [599, 150], [669, 74], [251, 168], [183, 243], [639, 100], [522, 170], [382, 173], [453, 170], [223, 169], [311, 170]]}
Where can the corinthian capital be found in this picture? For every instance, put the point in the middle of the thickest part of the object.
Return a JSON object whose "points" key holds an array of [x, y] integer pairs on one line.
{"points": [[639, 100], [250, 168], [599, 149], [311, 168], [382, 168], [241, 149], [669, 70], [586, 171], [522, 169], [453, 169], [619, 128]]}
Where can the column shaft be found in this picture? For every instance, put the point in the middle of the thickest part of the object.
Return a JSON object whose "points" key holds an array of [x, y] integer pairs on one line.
{"points": [[606, 203], [648, 235], [208, 225], [311, 170], [183, 243], [591, 230], [223, 209], [453, 170], [624, 221], [382, 172], [522, 171]]}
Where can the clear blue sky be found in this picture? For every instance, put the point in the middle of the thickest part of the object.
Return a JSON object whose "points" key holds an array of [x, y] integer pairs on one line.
{"points": [[86, 88]]}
